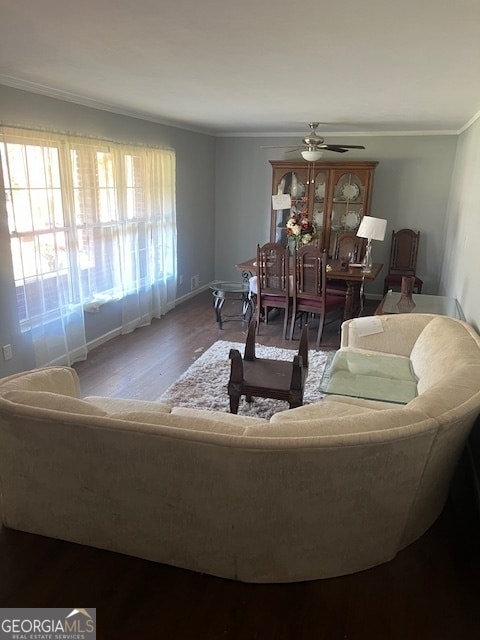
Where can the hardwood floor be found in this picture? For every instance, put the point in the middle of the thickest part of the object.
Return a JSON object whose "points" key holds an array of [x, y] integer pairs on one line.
{"points": [[430, 591], [143, 364]]}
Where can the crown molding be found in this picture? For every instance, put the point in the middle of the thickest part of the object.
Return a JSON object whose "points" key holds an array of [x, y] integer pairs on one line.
{"points": [[350, 134], [468, 124], [84, 101]]}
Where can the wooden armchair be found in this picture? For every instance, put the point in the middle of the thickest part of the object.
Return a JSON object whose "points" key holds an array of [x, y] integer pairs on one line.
{"points": [[262, 378]]}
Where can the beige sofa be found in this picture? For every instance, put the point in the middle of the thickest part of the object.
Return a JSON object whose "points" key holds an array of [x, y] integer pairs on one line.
{"points": [[319, 491]]}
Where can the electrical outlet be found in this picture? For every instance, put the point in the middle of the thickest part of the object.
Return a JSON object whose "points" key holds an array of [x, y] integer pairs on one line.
{"points": [[7, 352], [195, 282], [180, 279]]}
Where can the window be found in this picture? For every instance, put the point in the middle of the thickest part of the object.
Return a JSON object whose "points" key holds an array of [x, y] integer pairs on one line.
{"points": [[89, 221]]}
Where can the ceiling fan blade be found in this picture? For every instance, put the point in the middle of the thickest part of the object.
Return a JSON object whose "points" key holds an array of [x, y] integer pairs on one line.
{"points": [[283, 147], [333, 147], [347, 146]]}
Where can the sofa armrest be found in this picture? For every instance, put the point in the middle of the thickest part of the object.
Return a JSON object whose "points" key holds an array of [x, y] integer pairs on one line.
{"points": [[60, 380]]}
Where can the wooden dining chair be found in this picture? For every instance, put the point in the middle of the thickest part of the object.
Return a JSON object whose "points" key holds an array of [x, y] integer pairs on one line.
{"points": [[403, 260], [347, 247], [266, 378], [309, 288], [273, 282]]}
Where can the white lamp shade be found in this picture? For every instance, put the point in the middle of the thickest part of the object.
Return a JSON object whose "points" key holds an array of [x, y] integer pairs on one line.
{"points": [[372, 228], [311, 156]]}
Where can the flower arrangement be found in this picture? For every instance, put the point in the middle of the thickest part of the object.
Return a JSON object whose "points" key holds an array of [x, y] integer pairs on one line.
{"points": [[300, 229]]}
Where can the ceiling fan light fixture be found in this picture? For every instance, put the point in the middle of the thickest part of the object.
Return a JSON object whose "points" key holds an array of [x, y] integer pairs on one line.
{"points": [[311, 156]]}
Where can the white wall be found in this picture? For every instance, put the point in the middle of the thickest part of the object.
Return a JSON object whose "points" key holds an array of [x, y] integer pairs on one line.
{"points": [[461, 273]]}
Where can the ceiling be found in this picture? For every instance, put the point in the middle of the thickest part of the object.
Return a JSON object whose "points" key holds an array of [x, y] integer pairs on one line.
{"points": [[253, 67]]}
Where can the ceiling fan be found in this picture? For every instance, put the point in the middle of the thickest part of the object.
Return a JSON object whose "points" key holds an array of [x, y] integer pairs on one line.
{"points": [[313, 145]]}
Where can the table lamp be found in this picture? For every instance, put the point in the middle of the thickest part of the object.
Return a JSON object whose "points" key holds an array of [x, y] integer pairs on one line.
{"points": [[372, 229]]}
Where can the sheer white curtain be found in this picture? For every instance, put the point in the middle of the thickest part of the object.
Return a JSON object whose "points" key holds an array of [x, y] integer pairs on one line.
{"points": [[90, 222], [150, 241]]}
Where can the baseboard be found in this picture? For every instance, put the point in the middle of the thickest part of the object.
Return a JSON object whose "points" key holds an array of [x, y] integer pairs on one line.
{"points": [[96, 342], [192, 294], [102, 339]]}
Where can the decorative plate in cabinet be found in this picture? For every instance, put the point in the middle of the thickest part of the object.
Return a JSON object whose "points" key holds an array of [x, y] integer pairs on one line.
{"points": [[350, 191], [351, 220]]}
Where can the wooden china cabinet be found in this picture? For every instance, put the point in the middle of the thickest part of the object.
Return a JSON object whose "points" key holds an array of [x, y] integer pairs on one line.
{"points": [[335, 195]]}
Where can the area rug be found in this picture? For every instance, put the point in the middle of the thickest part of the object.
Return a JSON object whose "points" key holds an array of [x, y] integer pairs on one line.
{"points": [[204, 384]]}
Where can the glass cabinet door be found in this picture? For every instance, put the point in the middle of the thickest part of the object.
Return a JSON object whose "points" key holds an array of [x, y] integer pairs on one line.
{"points": [[295, 184], [318, 210], [347, 206]]}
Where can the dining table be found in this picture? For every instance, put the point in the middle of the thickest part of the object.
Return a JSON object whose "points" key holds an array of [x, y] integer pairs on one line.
{"points": [[354, 277]]}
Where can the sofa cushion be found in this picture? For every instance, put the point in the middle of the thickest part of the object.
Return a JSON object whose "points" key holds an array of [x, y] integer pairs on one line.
{"points": [[115, 405], [360, 422], [53, 401], [223, 423], [316, 411], [218, 416], [329, 407], [61, 380]]}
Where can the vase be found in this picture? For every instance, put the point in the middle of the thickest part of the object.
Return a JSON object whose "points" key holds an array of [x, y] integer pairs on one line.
{"points": [[292, 245], [406, 288], [406, 303]]}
